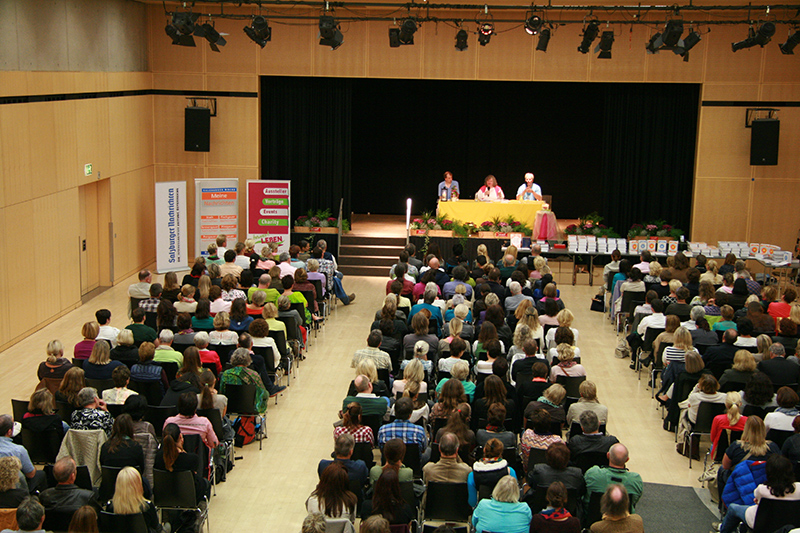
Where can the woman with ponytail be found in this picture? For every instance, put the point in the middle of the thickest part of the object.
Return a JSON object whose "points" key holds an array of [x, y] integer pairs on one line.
{"points": [[209, 398], [351, 423], [731, 419], [458, 425], [173, 458]]}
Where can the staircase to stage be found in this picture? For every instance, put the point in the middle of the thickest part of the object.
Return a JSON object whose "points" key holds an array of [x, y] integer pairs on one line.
{"points": [[366, 255]]}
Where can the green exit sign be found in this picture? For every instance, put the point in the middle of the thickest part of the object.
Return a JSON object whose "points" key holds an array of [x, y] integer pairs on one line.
{"points": [[87, 169]]}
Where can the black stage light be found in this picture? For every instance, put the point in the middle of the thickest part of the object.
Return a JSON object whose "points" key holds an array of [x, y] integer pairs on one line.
{"points": [[544, 40], [687, 44], [589, 35], [672, 32], [533, 24], [485, 32], [215, 40], [259, 31], [461, 40], [329, 33], [606, 42], [394, 37], [791, 42], [182, 27], [762, 37], [407, 30], [654, 44]]}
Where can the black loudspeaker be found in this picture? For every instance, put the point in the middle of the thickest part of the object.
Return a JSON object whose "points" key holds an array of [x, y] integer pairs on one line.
{"points": [[764, 134], [197, 129]]}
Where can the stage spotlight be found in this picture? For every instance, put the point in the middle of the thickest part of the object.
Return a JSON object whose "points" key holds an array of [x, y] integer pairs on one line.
{"points": [[791, 42], [654, 44], [461, 40], [533, 24], [407, 30], [259, 31], [762, 37], [672, 33], [606, 42], [589, 35], [329, 33], [215, 40], [182, 27], [544, 40], [394, 37], [687, 44], [485, 32]]}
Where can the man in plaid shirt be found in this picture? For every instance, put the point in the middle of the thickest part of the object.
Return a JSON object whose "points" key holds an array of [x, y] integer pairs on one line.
{"points": [[151, 304], [404, 430]]}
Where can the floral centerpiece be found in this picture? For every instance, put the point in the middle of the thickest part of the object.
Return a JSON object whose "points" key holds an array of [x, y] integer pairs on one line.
{"points": [[431, 225], [591, 224], [319, 221], [657, 228], [508, 225]]}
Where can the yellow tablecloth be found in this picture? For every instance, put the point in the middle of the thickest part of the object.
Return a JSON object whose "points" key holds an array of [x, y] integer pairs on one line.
{"points": [[477, 212]]}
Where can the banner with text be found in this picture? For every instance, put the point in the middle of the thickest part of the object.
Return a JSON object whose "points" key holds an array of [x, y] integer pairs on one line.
{"points": [[216, 212], [171, 231], [268, 213]]}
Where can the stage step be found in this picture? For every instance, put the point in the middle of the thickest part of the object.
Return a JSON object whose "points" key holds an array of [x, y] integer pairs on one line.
{"points": [[363, 255]]}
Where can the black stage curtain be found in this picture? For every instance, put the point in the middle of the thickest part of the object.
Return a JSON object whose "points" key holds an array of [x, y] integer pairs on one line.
{"points": [[649, 133], [305, 137]]}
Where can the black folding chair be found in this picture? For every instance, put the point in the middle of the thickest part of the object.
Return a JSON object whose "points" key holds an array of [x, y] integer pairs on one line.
{"points": [[446, 502], [242, 402], [100, 385], [773, 515], [152, 390], [108, 482], [122, 523], [157, 415], [174, 491], [706, 412], [42, 446]]}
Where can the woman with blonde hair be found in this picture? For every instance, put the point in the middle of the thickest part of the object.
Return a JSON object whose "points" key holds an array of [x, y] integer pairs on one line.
{"points": [[671, 325], [56, 365], [421, 408], [527, 315], [10, 471], [504, 511], [454, 329], [99, 365], [83, 349], [203, 286], [41, 414], [222, 334], [681, 341], [744, 368], [753, 445], [70, 386], [522, 334], [414, 371], [565, 319], [566, 364], [655, 273], [551, 401], [482, 250], [129, 498], [459, 372], [587, 402], [763, 343], [731, 419], [712, 273]]}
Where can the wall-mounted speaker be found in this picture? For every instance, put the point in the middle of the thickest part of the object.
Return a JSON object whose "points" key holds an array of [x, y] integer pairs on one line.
{"points": [[764, 135], [197, 129]]}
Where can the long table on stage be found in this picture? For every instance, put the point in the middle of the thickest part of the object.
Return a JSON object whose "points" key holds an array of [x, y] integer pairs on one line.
{"points": [[477, 212]]}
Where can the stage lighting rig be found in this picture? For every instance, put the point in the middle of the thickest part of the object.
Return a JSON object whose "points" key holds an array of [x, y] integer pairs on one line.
{"points": [[485, 32], [544, 40], [669, 39], [791, 42], [589, 35], [760, 37], [329, 32], [604, 47], [182, 27], [533, 24], [214, 38], [259, 31], [461, 40], [687, 44]]}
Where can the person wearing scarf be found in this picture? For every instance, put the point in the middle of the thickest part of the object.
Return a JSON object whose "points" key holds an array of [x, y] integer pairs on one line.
{"points": [[566, 363], [555, 518]]}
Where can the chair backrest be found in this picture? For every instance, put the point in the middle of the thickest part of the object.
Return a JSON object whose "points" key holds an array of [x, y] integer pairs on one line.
{"points": [[280, 340], [194, 444], [100, 384], [447, 501], [706, 412], [576, 429], [269, 356], [778, 436], [171, 369], [173, 490], [412, 459], [83, 480], [301, 309], [241, 399], [158, 414], [115, 409], [78, 362], [572, 384], [42, 446], [650, 335], [363, 451], [180, 346], [122, 523], [57, 519], [8, 519], [51, 384], [19, 408], [152, 390], [339, 525], [151, 319], [630, 300], [149, 446], [383, 375], [224, 351], [586, 460], [317, 287], [215, 417], [772, 515], [536, 456], [211, 367], [373, 421], [108, 482], [291, 326]]}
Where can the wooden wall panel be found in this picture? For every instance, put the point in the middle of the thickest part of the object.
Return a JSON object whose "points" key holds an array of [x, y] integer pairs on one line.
{"points": [[775, 217], [562, 61], [235, 134], [133, 216], [168, 133], [130, 133], [244, 83], [627, 55], [93, 141], [349, 60], [723, 65], [15, 164], [386, 62], [178, 81], [788, 156], [68, 170], [119, 135], [441, 59], [723, 148], [129, 81], [726, 92], [779, 67], [783, 92], [508, 56], [290, 52], [17, 227], [238, 56], [5, 303], [13, 83], [720, 209], [43, 179], [45, 211]]}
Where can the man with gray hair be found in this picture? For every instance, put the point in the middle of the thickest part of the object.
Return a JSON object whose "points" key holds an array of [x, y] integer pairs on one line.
{"points": [[66, 496], [342, 453], [516, 298], [697, 312], [260, 365], [372, 351], [369, 402], [164, 352], [591, 440], [36, 478], [93, 413], [30, 516], [285, 265], [780, 370], [450, 468], [598, 478]]}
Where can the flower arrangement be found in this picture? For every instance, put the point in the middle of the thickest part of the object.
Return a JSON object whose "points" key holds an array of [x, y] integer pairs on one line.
{"points": [[591, 224], [321, 218], [507, 225], [657, 228], [428, 221]]}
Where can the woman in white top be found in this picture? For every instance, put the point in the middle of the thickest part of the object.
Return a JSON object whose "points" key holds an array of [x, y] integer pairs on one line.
{"points": [[490, 192], [414, 371], [682, 341], [563, 336], [711, 274], [782, 418], [565, 319], [221, 333], [526, 314], [706, 390], [566, 364]]}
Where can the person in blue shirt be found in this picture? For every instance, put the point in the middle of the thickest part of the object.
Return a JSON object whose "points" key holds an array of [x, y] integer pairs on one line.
{"points": [[529, 190], [449, 187]]}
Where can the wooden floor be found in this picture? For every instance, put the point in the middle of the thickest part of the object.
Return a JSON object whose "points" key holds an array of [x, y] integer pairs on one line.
{"points": [[267, 489]]}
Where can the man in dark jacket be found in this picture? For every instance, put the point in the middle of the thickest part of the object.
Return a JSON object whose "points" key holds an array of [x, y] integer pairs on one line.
{"points": [[780, 371], [66, 496], [719, 358]]}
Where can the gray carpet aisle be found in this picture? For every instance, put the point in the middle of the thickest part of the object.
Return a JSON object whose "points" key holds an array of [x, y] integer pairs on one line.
{"points": [[668, 509]]}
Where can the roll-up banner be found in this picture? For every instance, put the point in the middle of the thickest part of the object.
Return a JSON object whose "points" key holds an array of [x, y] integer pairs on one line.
{"points": [[216, 212], [171, 231], [268, 213]]}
